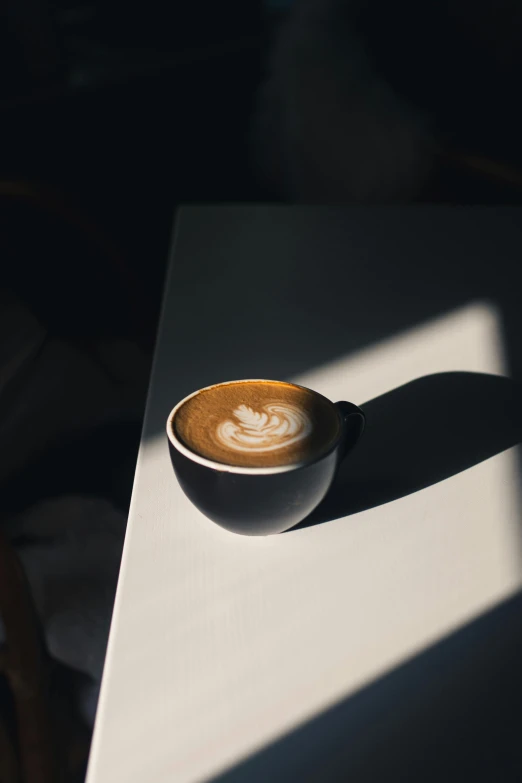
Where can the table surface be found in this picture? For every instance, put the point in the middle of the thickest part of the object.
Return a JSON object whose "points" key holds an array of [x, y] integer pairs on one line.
{"points": [[222, 646]]}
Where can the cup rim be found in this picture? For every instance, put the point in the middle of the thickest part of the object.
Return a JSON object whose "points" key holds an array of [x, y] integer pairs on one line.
{"points": [[243, 469]]}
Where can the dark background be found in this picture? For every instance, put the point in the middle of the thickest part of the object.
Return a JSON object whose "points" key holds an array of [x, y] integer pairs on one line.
{"points": [[125, 113]]}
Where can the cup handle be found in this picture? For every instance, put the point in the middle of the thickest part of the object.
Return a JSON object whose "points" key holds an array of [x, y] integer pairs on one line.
{"points": [[354, 422]]}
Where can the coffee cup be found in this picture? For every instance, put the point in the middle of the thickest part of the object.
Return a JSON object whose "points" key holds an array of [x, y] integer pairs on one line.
{"points": [[257, 456]]}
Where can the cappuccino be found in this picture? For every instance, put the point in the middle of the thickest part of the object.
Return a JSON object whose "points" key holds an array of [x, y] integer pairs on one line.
{"points": [[257, 424]]}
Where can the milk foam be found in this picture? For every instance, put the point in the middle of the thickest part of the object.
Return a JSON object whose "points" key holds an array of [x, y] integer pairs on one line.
{"points": [[276, 426]]}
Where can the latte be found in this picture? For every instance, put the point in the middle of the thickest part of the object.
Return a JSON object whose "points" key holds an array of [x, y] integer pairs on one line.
{"points": [[257, 424]]}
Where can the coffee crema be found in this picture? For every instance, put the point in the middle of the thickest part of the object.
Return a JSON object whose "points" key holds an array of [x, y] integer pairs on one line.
{"points": [[257, 424]]}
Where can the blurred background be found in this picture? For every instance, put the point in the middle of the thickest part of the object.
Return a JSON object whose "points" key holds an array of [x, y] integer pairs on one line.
{"points": [[110, 117], [124, 113]]}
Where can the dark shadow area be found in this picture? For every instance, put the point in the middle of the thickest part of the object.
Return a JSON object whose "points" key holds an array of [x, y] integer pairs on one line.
{"points": [[381, 272], [452, 713], [99, 464], [420, 434]]}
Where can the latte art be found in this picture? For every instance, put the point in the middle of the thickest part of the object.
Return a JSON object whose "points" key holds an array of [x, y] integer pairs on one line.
{"points": [[275, 427], [257, 424]]}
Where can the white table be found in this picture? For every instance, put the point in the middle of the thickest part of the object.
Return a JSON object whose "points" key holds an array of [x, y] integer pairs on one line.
{"points": [[221, 646]]}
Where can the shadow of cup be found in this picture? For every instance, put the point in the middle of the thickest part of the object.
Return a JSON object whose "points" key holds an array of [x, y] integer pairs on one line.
{"points": [[422, 433]]}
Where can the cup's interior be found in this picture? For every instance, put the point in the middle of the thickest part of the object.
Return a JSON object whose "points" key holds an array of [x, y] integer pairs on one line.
{"points": [[252, 430]]}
